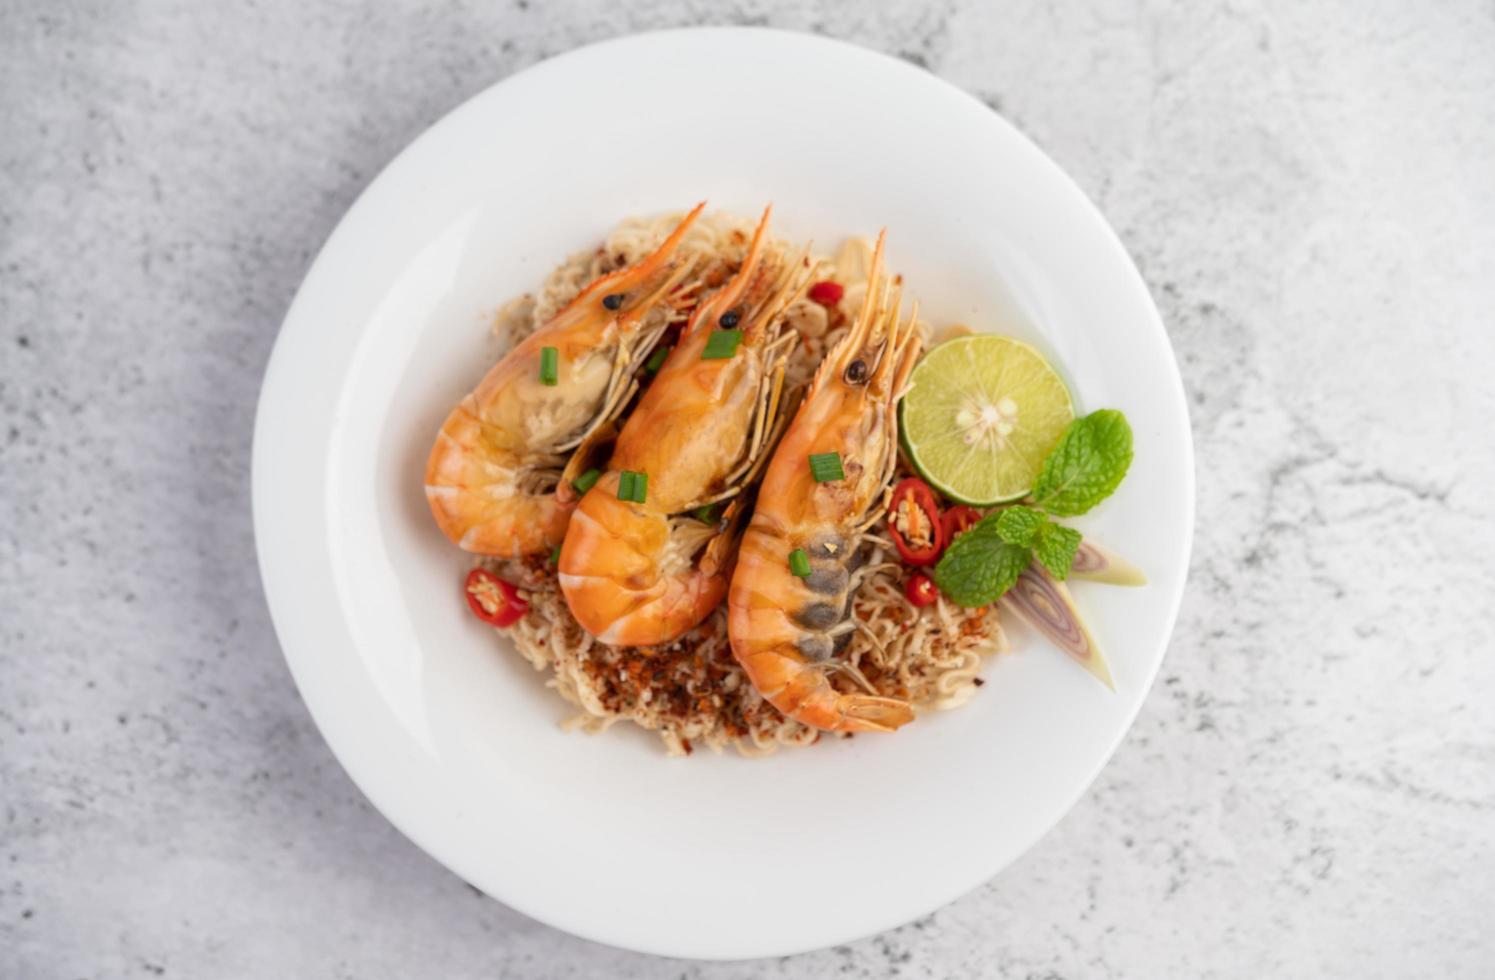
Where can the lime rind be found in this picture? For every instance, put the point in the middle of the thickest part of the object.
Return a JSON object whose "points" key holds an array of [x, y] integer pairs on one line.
{"points": [[983, 368]]}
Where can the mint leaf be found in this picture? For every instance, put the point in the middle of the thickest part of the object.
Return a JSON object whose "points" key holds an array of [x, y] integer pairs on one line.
{"points": [[1056, 549], [1092, 457], [1020, 525], [979, 566]]}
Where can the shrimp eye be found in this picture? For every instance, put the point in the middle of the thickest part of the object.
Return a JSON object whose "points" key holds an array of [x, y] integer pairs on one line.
{"points": [[729, 319], [856, 372], [612, 300]]}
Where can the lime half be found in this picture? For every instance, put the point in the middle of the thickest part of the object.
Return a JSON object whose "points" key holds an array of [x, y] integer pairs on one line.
{"points": [[981, 414]]}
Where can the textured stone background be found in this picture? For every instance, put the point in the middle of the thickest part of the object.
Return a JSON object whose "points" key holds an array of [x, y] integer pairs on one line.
{"points": [[1309, 190]]}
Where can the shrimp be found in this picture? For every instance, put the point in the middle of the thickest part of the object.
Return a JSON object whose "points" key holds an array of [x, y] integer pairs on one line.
{"points": [[642, 572], [785, 630], [493, 479]]}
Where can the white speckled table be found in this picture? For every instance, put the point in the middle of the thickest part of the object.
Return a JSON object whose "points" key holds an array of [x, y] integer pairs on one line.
{"points": [[1308, 188]]}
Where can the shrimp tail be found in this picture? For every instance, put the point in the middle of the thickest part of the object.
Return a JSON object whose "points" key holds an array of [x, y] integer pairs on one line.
{"points": [[800, 690], [876, 714]]}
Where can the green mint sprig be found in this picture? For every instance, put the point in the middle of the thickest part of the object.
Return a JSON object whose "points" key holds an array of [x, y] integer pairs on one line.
{"points": [[1057, 548], [1053, 545], [979, 565], [1020, 525], [1089, 463], [1084, 468]]}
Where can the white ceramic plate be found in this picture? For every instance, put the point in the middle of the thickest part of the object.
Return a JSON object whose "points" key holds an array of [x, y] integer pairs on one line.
{"points": [[453, 737]]}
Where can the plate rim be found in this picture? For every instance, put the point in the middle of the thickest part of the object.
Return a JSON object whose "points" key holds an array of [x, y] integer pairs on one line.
{"points": [[264, 518]]}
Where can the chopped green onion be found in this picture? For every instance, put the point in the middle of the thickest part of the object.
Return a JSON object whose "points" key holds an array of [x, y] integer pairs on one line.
{"points": [[825, 467], [706, 513], [555, 555], [550, 366], [587, 480], [633, 486], [799, 563], [656, 360], [721, 345]]}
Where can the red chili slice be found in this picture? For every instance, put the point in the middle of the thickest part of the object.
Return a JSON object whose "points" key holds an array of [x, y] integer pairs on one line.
{"points": [[827, 293], [914, 522], [493, 600], [958, 520], [921, 590]]}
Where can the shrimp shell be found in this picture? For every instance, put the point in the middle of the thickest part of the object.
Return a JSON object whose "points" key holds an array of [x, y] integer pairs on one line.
{"points": [[786, 630], [493, 475]]}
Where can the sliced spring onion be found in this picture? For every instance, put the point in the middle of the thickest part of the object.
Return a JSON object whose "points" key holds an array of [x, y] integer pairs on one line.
{"points": [[555, 555], [633, 486], [825, 467], [799, 563], [550, 366], [656, 360], [586, 481], [721, 345], [706, 514]]}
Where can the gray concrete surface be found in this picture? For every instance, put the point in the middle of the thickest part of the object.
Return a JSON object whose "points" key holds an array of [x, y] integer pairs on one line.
{"points": [[1308, 188]]}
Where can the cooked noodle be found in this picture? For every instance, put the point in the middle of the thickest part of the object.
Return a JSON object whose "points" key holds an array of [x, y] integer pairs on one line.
{"points": [[692, 692]]}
